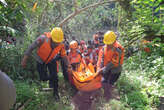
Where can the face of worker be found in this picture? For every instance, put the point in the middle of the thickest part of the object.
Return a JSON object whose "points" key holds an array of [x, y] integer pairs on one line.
{"points": [[111, 45], [55, 43]]}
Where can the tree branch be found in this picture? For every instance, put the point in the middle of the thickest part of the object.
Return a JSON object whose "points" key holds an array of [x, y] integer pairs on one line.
{"points": [[75, 5], [81, 10], [131, 41], [42, 14], [60, 13]]}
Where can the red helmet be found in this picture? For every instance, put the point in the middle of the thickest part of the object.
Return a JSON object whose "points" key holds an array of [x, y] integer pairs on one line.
{"points": [[82, 42]]}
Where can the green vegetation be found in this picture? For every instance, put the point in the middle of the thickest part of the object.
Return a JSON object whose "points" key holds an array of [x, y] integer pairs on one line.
{"points": [[142, 81], [31, 97]]}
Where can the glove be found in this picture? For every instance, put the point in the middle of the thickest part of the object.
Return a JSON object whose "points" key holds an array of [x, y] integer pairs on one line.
{"points": [[100, 71]]}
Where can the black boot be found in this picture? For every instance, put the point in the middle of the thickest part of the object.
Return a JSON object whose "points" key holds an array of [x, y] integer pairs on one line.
{"points": [[51, 84], [42, 70], [56, 95]]}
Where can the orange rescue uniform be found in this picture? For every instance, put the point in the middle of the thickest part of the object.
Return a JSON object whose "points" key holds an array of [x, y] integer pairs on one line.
{"points": [[46, 53], [74, 57], [114, 55]]}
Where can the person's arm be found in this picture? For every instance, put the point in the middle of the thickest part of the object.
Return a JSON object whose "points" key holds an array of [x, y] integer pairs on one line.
{"points": [[67, 64], [118, 57], [100, 60], [65, 58], [33, 46], [24, 60]]}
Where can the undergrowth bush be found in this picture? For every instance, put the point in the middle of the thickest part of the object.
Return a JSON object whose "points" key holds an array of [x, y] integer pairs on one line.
{"points": [[117, 105], [27, 96], [31, 97], [10, 63], [141, 83]]}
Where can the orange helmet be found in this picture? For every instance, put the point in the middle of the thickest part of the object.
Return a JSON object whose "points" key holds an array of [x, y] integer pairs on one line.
{"points": [[73, 44]]}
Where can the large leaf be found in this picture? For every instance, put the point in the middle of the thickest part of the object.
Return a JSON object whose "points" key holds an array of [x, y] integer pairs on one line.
{"points": [[10, 30]]}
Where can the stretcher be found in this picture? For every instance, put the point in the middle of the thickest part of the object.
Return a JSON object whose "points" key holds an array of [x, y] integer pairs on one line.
{"points": [[85, 78]]}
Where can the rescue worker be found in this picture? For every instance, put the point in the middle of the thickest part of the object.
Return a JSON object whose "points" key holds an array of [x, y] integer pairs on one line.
{"points": [[7, 92], [82, 46], [88, 56], [49, 49], [101, 39], [110, 58], [74, 56], [90, 43], [98, 44], [96, 40]]}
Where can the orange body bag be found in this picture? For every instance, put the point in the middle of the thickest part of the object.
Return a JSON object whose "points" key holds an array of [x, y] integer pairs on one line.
{"points": [[86, 79]]}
